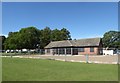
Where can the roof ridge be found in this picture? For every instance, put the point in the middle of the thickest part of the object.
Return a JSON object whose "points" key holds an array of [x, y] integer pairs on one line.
{"points": [[59, 41]]}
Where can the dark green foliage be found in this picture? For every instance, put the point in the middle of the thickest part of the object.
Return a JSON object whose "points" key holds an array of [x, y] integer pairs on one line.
{"points": [[45, 37], [65, 34], [11, 41], [31, 38], [58, 35], [25, 38], [2, 40], [111, 39]]}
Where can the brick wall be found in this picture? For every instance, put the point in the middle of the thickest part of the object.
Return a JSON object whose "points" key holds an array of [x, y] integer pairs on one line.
{"points": [[87, 51]]}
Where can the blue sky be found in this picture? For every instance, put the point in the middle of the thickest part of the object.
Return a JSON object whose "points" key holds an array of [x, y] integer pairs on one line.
{"points": [[82, 19]]}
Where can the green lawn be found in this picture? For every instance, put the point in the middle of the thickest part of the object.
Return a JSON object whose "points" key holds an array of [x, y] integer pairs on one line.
{"points": [[18, 69]]}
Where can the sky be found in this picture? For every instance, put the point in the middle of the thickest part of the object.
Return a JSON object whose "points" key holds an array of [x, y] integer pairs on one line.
{"points": [[82, 19]]}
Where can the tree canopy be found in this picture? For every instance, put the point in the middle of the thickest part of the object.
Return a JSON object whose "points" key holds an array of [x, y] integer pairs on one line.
{"points": [[111, 39], [31, 37]]}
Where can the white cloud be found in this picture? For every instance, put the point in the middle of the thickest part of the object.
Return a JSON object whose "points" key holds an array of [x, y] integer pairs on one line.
{"points": [[4, 35]]}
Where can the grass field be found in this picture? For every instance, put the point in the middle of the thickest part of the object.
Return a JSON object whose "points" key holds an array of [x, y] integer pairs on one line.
{"points": [[19, 69]]}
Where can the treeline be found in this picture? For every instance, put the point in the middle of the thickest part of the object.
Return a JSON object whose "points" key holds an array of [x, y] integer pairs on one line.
{"points": [[31, 38]]}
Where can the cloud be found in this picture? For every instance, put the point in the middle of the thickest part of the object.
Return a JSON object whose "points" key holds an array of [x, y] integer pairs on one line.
{"points": [[4, 35]]}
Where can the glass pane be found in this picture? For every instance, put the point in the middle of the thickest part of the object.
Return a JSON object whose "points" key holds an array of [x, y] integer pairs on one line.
{"points": [[91, 49]]}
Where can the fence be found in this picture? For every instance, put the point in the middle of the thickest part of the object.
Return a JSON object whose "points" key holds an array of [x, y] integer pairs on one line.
{"points": [[16, 53], [81, 58]]}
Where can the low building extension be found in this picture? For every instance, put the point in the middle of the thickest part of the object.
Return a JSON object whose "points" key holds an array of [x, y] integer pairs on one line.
{"points": [[90, 46]]}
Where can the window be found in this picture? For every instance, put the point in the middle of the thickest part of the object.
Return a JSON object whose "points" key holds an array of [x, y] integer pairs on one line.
{"points": [[80, 49], [56, 50], [92, 49], [48, 50], [68, 50], [61, 51]]}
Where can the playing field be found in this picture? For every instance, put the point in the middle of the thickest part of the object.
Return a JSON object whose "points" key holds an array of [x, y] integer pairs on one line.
{"points": [[21, 69]]}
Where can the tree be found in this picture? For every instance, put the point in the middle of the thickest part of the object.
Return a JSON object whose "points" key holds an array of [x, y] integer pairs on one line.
{"points": [[45, 37], [11, 41], [55, 35], [111, 39], [58, 35], [65, 34], [26, 38], [29, 37], [2, 40]]}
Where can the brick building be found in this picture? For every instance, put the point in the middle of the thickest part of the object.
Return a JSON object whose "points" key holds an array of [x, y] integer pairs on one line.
{"points": [[90, 46]]}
